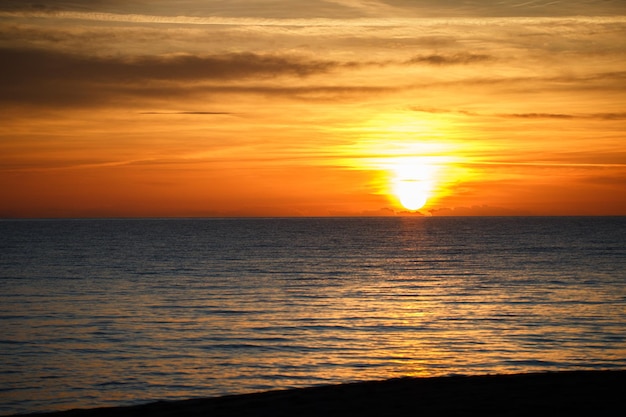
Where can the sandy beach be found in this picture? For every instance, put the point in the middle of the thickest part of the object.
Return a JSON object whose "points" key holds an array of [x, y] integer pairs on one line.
{"points": [[559, 393]]}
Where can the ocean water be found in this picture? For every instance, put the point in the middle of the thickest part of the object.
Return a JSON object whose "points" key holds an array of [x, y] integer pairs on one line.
{"points": [[110, 312]]}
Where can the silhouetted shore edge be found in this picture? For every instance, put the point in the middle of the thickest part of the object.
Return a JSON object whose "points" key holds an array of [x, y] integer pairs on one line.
{"points": [[557, 393]]}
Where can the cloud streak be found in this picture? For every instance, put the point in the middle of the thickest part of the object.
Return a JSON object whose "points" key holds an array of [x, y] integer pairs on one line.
{"points": [[34, 75], [453, 59], [328, 8], [24, 65], [590, 116], [529, 116], [203, 113]]}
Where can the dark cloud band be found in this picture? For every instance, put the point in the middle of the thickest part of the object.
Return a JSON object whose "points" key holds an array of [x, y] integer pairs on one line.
{"points": [[39, 76], [454, 59]]}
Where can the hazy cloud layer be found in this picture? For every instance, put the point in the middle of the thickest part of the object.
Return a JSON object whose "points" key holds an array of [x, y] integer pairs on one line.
{"points": [[34, 75], [331, 8], [206, 113], [36, 65], [531, 116], [453, 59], [593, 116]]}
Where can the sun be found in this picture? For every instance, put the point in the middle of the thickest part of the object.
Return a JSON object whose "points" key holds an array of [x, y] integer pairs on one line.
{"points": [[412, 182], [411, 193]]}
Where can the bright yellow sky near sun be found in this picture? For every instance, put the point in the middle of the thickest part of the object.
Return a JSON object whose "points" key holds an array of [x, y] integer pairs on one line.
{"points": [[312, 108]]}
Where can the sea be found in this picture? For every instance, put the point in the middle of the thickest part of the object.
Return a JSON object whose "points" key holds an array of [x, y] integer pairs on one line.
{"points": [[115, 312]]}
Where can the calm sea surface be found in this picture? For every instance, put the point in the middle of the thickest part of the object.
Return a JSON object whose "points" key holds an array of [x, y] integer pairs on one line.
{"points": [[109, 312]]}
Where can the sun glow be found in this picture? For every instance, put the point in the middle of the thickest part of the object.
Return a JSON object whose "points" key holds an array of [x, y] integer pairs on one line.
{"points": [[416, 162], [413, 181]]}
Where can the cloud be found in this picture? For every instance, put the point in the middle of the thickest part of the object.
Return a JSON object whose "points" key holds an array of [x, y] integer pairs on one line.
{"points": [[539, 116], [504, 8], [275, 9], [610, 116], [332, 8], [530, 116], [208, 113], [609, 179], [591, 116], [39, 76], [454, 59], [483, 210], [435, 110], [33, 64]]}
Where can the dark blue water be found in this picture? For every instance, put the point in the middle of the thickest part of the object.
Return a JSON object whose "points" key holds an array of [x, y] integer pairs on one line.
{"points": [[109, 312]]}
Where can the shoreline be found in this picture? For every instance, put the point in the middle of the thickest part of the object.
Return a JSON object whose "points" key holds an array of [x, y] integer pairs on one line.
{"points": [[564, 392]]}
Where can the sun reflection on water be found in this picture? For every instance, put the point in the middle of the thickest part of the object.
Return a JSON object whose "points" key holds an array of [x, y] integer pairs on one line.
{"points": [[177, 309]]}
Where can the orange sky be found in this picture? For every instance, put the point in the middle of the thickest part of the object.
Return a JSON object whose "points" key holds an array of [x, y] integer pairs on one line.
{"points": [[268, 108]]}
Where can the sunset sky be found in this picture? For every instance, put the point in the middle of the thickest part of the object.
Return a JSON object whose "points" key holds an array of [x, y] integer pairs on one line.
{"points": [[122, 108]]}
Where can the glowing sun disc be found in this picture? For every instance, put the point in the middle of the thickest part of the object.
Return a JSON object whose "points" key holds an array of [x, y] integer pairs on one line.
{"points": [[412, 194]]}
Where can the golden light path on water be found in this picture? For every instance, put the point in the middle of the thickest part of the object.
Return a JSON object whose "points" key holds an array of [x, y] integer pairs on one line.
{"points": [[127, 311]]}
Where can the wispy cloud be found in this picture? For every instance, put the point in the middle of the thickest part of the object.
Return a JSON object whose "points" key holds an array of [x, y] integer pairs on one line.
{"points": [[341, 8], [539, 116], [451, 59], [35, 75], [205, 113], [33, 64], [590, 116], [530, 116]]}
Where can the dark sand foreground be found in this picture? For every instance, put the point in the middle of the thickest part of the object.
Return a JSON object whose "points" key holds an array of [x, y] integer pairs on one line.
{"points": [[592, 393]]}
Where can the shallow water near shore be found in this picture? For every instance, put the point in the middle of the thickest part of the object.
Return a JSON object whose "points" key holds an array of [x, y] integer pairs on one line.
{"points": [[111, 312]]}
